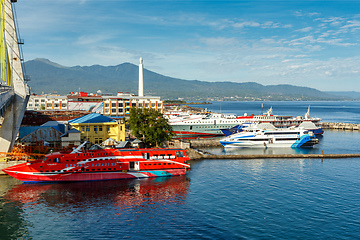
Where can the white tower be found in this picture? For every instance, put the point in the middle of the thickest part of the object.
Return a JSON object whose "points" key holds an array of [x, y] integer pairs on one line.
{"points": [[141, 79]]}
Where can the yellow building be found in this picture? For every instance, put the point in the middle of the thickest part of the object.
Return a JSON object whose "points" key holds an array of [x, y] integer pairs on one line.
{"points": [[96, 128]]}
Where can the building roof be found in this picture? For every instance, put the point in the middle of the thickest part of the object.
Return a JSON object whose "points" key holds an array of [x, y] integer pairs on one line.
{"points": [[73, 130], [92, 118], [58, 125], [23, 131], [48, 134]]}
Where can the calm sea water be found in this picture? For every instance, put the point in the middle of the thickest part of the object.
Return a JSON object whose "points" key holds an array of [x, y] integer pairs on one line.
{"points": [[218, 199]]}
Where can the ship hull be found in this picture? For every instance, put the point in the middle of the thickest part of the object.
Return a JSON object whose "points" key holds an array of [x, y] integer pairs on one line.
{"points": [[29, 177], [102, 164]]}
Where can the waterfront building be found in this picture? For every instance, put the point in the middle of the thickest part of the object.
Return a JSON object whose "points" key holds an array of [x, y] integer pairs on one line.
{"points": [[118, 105], [97, 128], [71, 138]]}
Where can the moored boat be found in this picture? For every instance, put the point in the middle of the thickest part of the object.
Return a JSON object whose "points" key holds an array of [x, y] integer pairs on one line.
{"points": [[265, 135], [102, 164], [211, 125]]}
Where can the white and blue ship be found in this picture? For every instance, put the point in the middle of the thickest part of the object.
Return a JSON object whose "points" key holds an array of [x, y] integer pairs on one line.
{"points": [[265, 135]]}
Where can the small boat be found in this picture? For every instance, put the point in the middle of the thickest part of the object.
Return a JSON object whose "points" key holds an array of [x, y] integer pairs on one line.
{"points": [[102, 164], [265, 135]]}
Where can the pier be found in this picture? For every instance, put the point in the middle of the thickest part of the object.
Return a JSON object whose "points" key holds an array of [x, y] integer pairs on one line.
{"points": [[196, 154]]}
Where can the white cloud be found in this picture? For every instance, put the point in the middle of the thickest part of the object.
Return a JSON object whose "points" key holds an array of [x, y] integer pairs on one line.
{"points": [[352, 24], [219, 41], [246, 24], [306, 29], [305, 14]]}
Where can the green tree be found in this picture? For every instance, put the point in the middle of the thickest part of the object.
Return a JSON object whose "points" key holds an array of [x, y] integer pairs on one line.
{"points": [[149, 126]]}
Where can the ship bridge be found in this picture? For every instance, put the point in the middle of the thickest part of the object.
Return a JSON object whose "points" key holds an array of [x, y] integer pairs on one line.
{"points": [[14, 92]]}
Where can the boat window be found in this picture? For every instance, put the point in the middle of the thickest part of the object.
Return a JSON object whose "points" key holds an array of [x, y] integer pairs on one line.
{"points": [[179, 154]]}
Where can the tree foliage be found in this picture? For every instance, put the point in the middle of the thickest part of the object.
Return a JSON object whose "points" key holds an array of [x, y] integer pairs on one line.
{"points": [[149, 126]]}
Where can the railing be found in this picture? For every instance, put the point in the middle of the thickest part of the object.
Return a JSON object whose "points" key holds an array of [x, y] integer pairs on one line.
{"points": [[6, 94]]}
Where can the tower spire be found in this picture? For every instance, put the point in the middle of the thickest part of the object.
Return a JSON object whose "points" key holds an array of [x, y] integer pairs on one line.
{"points": [[141, 78]]}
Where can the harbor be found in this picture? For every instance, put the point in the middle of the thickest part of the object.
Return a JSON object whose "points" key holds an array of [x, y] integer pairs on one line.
{"points": [[262, 144]]}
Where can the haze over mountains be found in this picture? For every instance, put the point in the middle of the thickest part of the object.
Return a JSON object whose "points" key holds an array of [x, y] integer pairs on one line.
{"points": [[50, 77]]}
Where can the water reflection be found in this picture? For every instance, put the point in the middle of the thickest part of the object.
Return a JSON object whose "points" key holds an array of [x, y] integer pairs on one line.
{"points": [[81, 195]]}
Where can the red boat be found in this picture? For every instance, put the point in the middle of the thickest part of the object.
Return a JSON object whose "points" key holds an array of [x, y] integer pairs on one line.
{"points": [[102, 164]]}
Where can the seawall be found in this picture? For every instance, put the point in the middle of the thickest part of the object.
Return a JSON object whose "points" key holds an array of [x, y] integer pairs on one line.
{"points": [[341, 126], [195, 154]]}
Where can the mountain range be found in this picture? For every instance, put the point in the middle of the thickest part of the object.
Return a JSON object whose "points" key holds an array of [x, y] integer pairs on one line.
{"points": [[50, 77]]}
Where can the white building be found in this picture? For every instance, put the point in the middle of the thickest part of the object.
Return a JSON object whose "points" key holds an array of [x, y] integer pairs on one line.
{"points": [[118, 105]]}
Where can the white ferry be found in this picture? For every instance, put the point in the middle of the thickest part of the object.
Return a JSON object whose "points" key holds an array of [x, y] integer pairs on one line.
{"points": [[265, 135], [210, 125]]}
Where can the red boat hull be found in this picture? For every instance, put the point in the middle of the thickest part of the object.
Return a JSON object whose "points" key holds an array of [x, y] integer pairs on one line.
{"points": [[89, 176], [105, 164]]}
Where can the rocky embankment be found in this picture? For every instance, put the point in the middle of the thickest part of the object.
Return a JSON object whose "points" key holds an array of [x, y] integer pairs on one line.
{"points": [[341, 126]]}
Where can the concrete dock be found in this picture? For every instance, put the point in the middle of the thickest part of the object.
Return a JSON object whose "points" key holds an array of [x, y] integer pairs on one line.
{"points": [[195, 154]]}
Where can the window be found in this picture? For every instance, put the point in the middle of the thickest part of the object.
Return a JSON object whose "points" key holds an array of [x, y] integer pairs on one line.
{"points": [[120, 105], [100, 128], [133, 105], [179, 154], [95, 128], [113, 105], [88, 129], [82, 129], [108, 129]]}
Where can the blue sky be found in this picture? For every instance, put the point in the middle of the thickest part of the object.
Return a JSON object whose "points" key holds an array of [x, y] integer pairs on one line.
{"points": [[304, 43]]}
